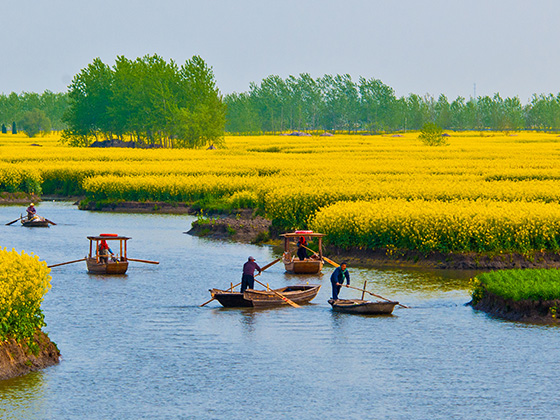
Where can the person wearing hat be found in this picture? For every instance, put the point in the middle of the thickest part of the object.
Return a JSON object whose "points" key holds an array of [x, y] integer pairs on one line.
{"points": [[31, 211], [337, 279], [248, 278]]}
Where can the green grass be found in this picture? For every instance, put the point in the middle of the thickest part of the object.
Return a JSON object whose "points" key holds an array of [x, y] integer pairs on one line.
{"points": [[520, 284]]}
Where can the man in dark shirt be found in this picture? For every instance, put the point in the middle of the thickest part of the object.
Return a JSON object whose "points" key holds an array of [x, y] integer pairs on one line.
{"points": [[337, 279], [248, 279]]}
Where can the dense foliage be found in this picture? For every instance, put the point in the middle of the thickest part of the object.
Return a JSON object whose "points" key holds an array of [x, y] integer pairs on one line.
{"points": [[13, 107], [148, 101], [522, 284], [24, 280], [339, 104]]}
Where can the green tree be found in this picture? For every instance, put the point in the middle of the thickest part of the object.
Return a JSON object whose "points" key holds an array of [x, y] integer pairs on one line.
{"points": [[34, 122], [431, 135]]}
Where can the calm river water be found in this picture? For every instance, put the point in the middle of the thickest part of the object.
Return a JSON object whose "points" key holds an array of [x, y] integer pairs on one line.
{"points": [[138, 346]]}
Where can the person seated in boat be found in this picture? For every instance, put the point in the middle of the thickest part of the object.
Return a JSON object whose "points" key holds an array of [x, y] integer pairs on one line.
{"points": [[31, 211], [248, 278], [104, 252], [337, 279], [302, 251]]}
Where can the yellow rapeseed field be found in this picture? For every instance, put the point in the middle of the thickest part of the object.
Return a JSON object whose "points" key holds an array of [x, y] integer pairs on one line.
{"points": [[483, 192]]}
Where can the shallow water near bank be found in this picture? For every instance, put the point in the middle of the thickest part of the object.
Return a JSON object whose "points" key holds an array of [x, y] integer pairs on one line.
{"points": [[138, 345]]}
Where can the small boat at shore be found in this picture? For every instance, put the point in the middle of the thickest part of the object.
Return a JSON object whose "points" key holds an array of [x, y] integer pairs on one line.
{"points": [[362, 307], [309, 265], [251, 298]]}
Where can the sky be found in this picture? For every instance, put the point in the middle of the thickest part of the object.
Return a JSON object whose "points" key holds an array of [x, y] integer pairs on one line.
{"points": [[431, 47]]}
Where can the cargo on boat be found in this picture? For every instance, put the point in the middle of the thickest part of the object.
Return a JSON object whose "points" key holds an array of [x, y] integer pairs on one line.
{"points": [[301, 262], [299, 294]]}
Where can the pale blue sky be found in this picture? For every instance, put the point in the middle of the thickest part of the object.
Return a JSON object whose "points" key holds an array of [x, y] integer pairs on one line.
{"points": [[415, 46]]}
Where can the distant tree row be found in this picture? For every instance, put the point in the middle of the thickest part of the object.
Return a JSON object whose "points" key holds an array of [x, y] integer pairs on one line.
{"points": [[337, 103], [33, 113], [146, 100]]}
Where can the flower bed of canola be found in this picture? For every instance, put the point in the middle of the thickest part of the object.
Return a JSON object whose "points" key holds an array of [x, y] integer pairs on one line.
{"points": [[485, 192]]}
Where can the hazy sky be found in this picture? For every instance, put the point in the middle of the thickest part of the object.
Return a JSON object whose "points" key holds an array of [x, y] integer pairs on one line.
{"points": [[506, 46]]}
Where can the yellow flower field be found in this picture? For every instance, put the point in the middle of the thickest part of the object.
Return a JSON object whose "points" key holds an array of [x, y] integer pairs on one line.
{"points": [[479, 193]]}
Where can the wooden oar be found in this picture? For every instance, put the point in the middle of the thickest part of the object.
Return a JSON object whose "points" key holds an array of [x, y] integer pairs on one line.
{"points": [[280, 295], [64, 263], [325, 258], [373, 294], [143, 261], [231, 288], [19, 218], [52, 223]]}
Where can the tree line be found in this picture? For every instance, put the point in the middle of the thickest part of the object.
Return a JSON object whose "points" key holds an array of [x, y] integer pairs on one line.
{"points": [[148, 101], [339, 104]]}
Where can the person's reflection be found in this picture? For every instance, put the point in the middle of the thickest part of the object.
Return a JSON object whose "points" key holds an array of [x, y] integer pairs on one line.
{"points": [[248, 320]]}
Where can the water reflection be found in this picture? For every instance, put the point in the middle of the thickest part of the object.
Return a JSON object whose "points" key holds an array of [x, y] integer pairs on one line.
{"points": [[23, 397]]}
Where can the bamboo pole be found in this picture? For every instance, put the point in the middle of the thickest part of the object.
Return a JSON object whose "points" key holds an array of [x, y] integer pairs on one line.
{"points": [[325, 258], [281, 296]]}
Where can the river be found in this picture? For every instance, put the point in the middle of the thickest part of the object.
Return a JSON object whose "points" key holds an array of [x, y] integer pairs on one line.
{"points": [[138, 346]]}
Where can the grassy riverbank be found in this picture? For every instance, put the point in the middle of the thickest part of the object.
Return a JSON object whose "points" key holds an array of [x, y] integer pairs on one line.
{"points": [[532, 295]]}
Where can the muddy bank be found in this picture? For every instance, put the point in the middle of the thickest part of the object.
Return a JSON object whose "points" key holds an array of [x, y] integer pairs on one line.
{"points": [[7, 198], [137, 207], [17, 360], [244, 227], [542, 311]]}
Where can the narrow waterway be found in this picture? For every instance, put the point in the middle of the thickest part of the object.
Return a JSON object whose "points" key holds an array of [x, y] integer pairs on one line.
{"points": [[139, 346]]}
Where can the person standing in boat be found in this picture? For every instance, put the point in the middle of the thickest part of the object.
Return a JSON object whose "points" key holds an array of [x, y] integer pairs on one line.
{"points": [[302, 251], [31, 212], [337, 279], [248, 278], [104, 251]]}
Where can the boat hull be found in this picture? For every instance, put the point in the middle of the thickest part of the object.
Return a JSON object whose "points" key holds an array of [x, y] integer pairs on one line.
{"points": [[362, 307], [263, 298], [297, 294], [35, 223], [307, 266], [112, 267]]}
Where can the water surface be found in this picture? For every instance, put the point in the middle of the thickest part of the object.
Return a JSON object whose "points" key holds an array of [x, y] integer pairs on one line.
{"points": [[138, 346]]}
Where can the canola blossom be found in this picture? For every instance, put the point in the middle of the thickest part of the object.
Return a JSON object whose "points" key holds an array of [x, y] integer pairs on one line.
{"points": [[24, 280], [480, 184]]}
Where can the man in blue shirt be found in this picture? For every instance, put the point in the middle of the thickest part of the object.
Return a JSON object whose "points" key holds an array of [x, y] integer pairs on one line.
{"points": [[337, 279], [248, 278]]}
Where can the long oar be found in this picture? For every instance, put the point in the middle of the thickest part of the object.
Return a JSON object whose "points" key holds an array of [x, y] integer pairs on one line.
{"points": [[325, 258], [143, 261], [373, 294], [230, 289], [280, 295], [52, 223], [262, 269], [19, 218], [64, 263]]}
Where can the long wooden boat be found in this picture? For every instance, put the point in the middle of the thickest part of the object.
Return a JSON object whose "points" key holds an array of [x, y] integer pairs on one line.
{"points": [[300, 294], [109, 267], [35, 222], [363, 307], [292, 263]]}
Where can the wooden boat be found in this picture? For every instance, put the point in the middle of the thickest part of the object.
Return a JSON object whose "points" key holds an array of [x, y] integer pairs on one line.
{"points": [[35, 222], [363, 307], [299, 294], [97, 264], [292, 263]]}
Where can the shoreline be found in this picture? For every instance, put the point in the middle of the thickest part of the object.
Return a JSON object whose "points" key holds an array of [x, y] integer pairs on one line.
{"points": [[530, 311], [16, 359], [243, 226]]}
